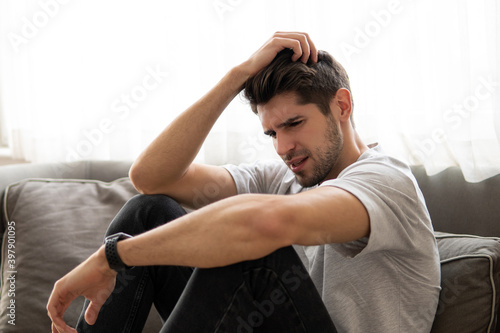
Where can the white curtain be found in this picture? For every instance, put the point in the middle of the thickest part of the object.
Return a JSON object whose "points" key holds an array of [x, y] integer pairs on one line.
{"points": [[100, 79]]}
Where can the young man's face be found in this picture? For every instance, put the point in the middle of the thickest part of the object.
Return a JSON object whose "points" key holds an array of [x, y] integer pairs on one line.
{"points": [[308, 141]]}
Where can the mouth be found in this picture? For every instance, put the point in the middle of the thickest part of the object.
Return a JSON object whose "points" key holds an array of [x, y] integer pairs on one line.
{"points": [[297, 164]]}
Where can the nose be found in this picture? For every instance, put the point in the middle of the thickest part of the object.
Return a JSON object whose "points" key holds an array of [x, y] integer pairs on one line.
{"points": [[283, 143]]}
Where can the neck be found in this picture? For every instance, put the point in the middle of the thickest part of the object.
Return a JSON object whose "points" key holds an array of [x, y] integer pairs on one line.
{"points": [[352, 150]]}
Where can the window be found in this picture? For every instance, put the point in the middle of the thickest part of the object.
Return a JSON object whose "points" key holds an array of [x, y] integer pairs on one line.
{"points": [[99, 80]]}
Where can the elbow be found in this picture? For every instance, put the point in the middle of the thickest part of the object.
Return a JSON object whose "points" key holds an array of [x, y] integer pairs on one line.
{"points": [[146, 181], [139, 180], [273, 224]]}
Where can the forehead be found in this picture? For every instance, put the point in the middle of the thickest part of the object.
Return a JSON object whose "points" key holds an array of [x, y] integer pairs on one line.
{"points": [[281, 108]]}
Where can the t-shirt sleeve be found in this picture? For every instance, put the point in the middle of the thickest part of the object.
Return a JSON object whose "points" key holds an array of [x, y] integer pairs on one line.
{"points": [[259, 177], [395, 207]]}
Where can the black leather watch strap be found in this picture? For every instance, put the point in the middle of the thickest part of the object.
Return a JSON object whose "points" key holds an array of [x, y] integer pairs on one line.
{"points": [[114, 260]]}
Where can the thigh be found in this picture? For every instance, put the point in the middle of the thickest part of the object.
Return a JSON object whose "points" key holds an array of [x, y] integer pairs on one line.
{"points": [[271, 294]]}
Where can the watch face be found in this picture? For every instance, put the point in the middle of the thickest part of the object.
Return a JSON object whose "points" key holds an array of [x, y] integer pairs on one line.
{"points": [[119, 236]]}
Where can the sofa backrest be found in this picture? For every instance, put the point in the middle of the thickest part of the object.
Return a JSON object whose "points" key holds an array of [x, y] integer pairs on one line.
{"points": [[106, 171], [457, 206]]}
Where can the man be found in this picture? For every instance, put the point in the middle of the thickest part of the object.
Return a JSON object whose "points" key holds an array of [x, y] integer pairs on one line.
{"points": [[349, 249]]}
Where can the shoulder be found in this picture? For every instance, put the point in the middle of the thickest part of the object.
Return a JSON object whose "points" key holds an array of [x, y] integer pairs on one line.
{"points": [[386, 187], [377, 170], [375, 160]]}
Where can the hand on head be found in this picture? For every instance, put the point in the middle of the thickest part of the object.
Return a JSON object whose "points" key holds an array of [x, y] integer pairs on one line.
{"points": [[301, 44]]}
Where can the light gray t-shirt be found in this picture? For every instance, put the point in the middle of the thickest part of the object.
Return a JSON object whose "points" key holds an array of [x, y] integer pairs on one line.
{"points": [[387, 282]]}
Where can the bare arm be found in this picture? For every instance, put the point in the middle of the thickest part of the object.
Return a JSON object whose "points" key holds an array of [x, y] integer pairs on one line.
{"points": [[247, 227], [166, 166], [168, 158]]}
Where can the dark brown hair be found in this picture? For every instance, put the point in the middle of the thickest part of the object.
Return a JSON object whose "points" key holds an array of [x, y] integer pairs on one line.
{"points": [[315, 83]]}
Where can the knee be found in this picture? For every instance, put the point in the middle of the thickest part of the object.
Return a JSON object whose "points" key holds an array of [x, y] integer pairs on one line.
{"points": [[156, 206], [146, 200], [145, 212]]}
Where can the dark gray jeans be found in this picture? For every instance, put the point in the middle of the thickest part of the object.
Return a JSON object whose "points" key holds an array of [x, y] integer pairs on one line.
{"points": [[271, 294]]}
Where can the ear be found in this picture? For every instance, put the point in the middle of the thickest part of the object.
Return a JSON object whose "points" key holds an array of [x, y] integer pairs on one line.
{"points": [[342, 103]]}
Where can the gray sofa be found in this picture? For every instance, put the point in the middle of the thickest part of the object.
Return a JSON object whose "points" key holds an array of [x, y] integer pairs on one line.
{"points": [[54, 215]]}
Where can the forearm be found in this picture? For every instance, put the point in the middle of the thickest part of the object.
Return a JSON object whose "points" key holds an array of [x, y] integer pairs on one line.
{"points": [[226, 232], [169, 156]]}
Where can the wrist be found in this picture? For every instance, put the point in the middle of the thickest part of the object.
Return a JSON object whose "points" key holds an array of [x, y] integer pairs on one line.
{"points": [[122, 248], [239, 75], [102, 263], [113, 257]]}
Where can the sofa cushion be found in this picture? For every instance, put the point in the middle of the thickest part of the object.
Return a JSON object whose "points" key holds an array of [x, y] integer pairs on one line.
{"points": [[470, 281], [50, 227]]}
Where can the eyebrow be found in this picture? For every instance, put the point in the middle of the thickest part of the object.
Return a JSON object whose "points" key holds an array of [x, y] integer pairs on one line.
{"points": [[286, 123]]}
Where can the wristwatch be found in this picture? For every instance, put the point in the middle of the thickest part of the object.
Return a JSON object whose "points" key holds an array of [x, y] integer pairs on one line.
{"points": [[112, 256]]}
